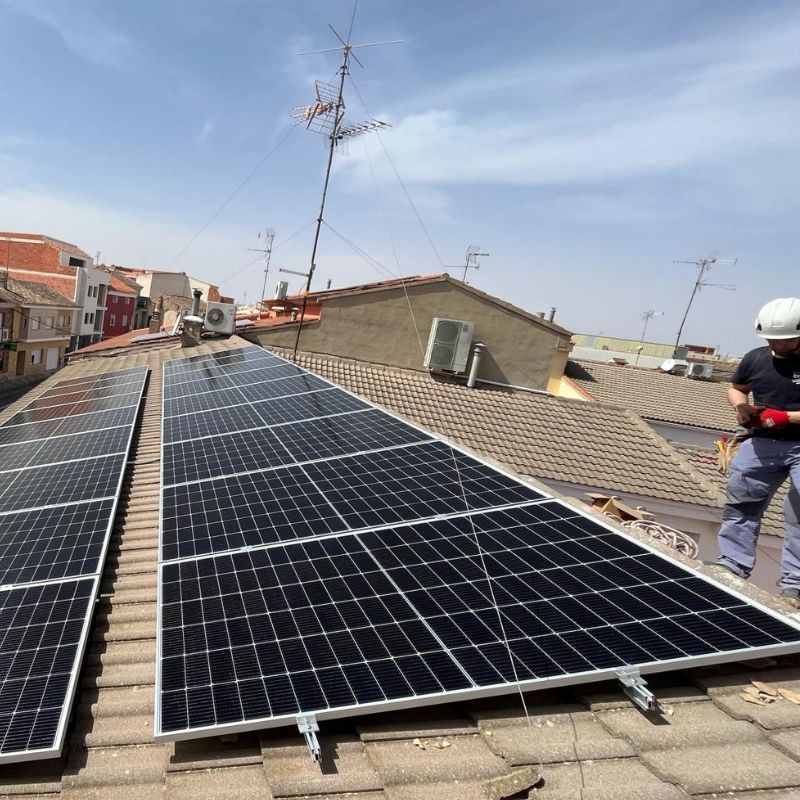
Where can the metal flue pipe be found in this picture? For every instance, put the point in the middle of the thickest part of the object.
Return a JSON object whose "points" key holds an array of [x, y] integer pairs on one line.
{"points": [[477, 351], [197, 294]]}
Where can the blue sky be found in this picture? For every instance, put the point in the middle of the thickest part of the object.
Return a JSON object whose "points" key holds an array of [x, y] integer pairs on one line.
{"points": [[585, 145]]}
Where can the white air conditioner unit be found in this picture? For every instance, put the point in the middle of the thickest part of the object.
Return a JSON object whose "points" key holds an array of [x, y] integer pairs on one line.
{"points": [[5, 334], [281, 289], [220, 318], [700, 370], [448, 344]]}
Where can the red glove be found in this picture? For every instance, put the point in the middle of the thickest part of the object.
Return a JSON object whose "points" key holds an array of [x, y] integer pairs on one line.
{"points": [[772, 418]]}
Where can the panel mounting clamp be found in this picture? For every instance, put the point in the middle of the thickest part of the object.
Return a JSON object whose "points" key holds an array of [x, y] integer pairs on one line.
{"points": [[307, 725], [635, 686]]}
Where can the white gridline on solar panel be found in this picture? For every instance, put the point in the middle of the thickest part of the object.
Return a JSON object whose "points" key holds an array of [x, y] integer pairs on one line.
{"points": [[256, 367], [413, 616], [308, 462], [64, 398], [287, 504], [248, 427], [54, 484], [134, 400], [65, 426], [42, 446], [74, 409], [227, 382], [490, 606], [105, 378], [218, 449], [233, 380], [64, 529], [179, 367], [236, 401], [94, 385], [75, 603], [186, 371], [510, 632], [239, 450], [253, 404], [56, 435]]}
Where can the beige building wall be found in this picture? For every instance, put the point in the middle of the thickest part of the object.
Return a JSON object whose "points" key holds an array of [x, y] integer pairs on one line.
{"points": [[379, 327]]}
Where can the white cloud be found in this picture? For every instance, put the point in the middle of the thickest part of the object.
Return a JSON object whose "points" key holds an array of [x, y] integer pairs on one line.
{"points": [[708, 102]]}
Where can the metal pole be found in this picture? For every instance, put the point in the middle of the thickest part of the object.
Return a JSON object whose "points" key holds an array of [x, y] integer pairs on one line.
{"points": [[703, 266], [270, 238], [333, 137]]}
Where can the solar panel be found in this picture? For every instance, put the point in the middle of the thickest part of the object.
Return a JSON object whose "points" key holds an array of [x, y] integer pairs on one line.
{"points": [[50, 543], [386, 569], [61, 469], [42, 632], [56, 449]]}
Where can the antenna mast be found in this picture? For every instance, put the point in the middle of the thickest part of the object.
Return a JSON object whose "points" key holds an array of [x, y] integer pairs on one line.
{"points": [[326, 116], [705, 265], [269, 238]]}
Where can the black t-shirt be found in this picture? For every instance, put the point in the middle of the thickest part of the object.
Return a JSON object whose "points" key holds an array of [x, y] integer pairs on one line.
{"points": [[775, 383]]}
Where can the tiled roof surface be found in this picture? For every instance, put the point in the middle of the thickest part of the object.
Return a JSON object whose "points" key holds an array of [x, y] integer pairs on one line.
{"points": [[535, 435], [62, 280], [656, 395], [33, 293], [120, 343], [583, 743], [65, 247], [121, 286]]}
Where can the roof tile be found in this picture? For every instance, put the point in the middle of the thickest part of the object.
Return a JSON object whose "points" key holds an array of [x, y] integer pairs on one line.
{"points": [[656, 395]]}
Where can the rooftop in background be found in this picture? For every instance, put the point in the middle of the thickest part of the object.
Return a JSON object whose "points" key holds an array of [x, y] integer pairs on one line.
{"points": [[420, 280], [34, 294], [656, 395], [535, 435], [38, 238]]}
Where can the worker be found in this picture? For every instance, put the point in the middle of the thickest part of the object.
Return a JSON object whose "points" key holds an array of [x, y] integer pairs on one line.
{"points": [[772, 375]]}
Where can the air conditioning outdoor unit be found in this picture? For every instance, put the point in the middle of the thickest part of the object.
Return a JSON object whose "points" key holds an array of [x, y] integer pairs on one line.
{"points": [[448, 344], [220, 318], [700, 370], [5, 334], [281, 289]]}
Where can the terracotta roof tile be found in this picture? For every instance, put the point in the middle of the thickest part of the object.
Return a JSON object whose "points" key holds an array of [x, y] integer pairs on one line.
{"points": [[33, 293], [656, 395], [537, 436]]}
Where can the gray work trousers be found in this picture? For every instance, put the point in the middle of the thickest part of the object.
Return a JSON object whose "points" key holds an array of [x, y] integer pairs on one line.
{"points": [[759, 468]]}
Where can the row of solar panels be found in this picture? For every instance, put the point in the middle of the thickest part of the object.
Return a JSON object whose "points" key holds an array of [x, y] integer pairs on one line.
{"points": [[61, 466], [321, 557]]}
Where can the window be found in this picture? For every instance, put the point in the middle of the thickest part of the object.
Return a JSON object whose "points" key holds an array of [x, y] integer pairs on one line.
{"points": [[112, 320], [49, 323], [36, 323], [91, 317], [36, 356], [76, 262], [67, 320], [124, 320], [86, 318]]}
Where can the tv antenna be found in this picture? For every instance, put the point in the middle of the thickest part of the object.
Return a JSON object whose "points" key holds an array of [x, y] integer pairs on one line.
{"points": [[326, 117], [471, 259], [269, 238], [705, 265], [646, 316]]}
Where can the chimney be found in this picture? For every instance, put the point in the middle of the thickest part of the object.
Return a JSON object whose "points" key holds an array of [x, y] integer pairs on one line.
{"points": [[197, 293], [158, 316], [293, 315], [552, 315], [540, 314]]}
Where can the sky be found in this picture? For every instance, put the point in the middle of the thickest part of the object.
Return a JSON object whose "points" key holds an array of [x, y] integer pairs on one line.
{"points": [[587, 147]]}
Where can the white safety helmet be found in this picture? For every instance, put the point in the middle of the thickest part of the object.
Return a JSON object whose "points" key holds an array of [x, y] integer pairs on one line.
{"points": [[779, 319]]}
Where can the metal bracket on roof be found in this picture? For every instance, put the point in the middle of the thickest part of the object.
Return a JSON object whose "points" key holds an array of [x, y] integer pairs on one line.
{"points": [[635, 686], [307, 725]]}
